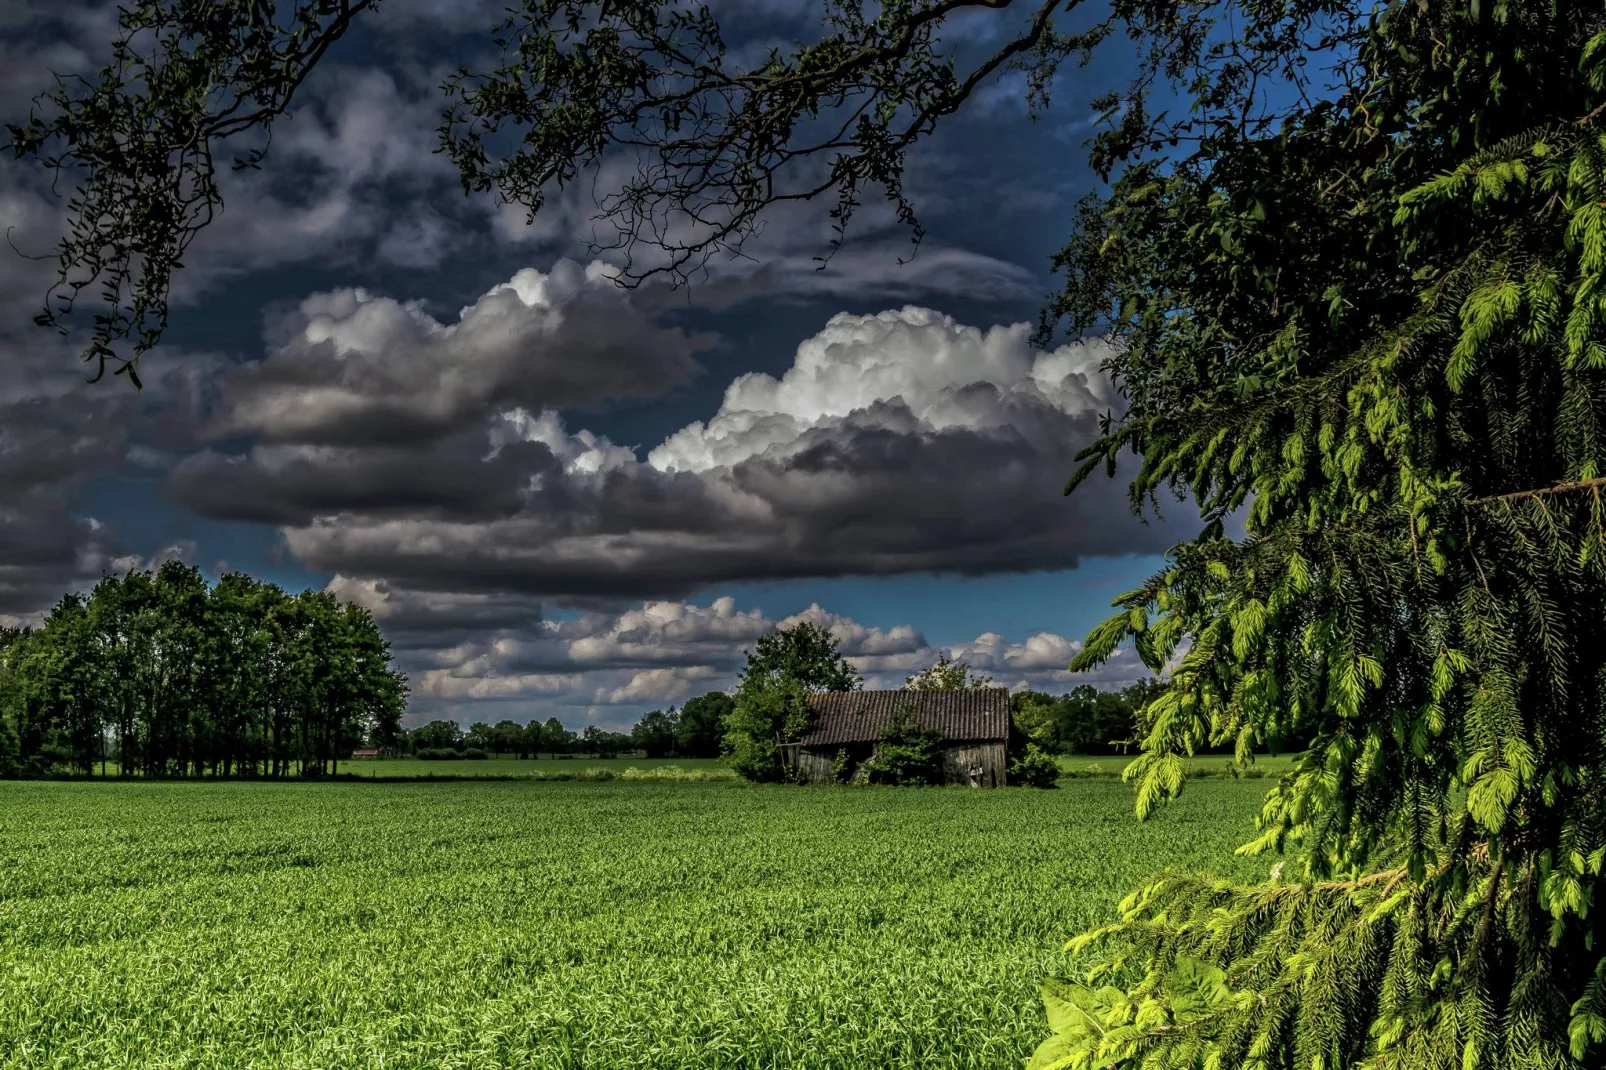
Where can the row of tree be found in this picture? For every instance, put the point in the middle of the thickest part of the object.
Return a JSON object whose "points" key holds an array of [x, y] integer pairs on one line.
{"points": [[695, 730], [160, 674], [1084, 721]]}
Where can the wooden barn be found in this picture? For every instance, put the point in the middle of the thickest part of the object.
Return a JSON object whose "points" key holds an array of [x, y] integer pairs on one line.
{"points": [[973, 724]]}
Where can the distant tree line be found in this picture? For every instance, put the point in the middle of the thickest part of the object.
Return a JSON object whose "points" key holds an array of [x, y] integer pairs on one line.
{"points": [[1089, 721], [695, 730], [158, 674], [1085, 720]]}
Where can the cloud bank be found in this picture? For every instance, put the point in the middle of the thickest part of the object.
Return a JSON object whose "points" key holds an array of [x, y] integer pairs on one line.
{"points": [[388, 446]]}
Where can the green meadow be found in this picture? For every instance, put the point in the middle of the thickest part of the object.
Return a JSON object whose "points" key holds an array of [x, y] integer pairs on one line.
{"points": [[530, 923], [586, 768], [581, 768]]}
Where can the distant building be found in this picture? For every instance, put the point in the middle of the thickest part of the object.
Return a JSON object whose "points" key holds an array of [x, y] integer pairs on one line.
{"points": [[974, 726], [368, 753]]}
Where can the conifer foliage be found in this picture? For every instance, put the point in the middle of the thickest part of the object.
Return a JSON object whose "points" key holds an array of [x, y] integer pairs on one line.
{"points": [[1378, 332]]}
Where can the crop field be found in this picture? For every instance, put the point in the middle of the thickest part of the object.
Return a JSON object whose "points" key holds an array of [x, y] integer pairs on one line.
{"points": [[1202, 765], [532, 768], [588, 768], [561, 924]]}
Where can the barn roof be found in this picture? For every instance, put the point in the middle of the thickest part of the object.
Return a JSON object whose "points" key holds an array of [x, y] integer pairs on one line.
{"points": [[839, 717]]}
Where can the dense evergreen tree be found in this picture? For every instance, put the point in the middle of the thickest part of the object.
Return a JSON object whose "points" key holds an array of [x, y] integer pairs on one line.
{"points": [[168, 677], [1377, 329]]}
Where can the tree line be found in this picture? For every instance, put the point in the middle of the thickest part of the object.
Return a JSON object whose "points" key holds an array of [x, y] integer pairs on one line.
{"points": [[695, 730], [159, 674]]}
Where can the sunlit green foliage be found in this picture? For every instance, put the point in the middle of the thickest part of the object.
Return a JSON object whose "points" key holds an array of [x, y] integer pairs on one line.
{"points": [[947, 674], [1034, 767], [906, 753]]}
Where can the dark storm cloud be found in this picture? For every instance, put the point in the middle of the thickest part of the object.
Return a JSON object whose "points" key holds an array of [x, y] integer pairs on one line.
{"points": [[902, 442], [452, 478], [51, 439]]}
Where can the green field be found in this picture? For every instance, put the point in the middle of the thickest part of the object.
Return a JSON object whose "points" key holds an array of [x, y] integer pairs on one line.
{"points": [[560, 924], [1203, 765], [532, 768], [1095, 765]]}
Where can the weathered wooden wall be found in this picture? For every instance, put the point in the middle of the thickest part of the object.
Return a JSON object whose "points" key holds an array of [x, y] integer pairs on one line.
{"points": [[957, 760], [814, 766]]}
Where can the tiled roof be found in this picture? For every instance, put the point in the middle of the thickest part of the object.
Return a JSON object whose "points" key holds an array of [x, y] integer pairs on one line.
{"points": [[857, 716]]}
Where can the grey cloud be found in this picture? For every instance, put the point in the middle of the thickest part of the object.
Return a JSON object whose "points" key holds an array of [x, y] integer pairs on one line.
{"points": [[54, 434], [902, 442], [279, 484], [359, 368]]}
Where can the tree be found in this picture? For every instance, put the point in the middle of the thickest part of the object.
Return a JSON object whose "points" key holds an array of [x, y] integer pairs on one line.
{"points": [[480, 736], [507, 737], [1033, 767], [656, 732], [603, 743], [1377, 330], [10, 752], [437, 735], [947, 675], [771, 703], [701, 730], [551, 737], [12, 643], [1085, 721]]}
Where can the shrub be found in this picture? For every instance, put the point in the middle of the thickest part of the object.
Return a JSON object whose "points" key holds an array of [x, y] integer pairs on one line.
{"points": [[907, 754], [437, 754], [843, 767], [1034, 768], [475, 754], [676, 773]]}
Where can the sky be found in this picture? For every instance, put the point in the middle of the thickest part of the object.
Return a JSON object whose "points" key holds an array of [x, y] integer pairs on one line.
{"points": [[559, 497]]}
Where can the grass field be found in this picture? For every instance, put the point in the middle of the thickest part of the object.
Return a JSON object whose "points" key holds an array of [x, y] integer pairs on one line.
{"points": [[1093, 765], [567, 924], [532, 768], [1203, 765]]}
